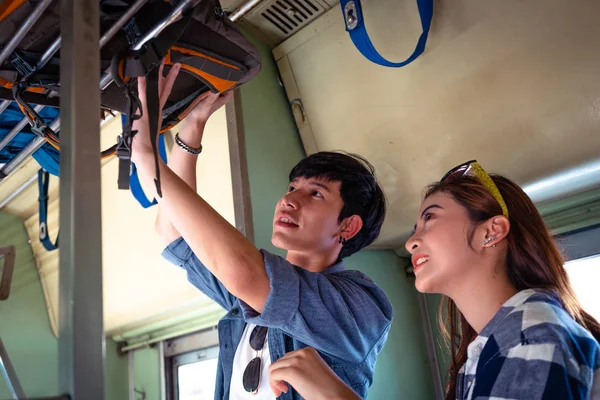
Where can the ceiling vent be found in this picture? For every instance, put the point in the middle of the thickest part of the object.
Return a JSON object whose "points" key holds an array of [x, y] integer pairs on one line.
{"points": [[279, 19]]}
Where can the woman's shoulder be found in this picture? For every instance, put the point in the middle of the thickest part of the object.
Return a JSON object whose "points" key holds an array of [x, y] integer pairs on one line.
{"points": [[540, 321]]}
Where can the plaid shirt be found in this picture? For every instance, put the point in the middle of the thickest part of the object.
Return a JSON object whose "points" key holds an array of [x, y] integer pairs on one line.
{"points": [[532, 349]]}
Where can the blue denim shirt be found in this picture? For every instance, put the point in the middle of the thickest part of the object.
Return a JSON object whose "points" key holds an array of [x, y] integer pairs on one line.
{"points": [[342, 314]]}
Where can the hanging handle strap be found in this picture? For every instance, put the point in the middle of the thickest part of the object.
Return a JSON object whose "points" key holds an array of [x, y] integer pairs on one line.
{"points": [[355, 25], [134, 180], [43, 183]]}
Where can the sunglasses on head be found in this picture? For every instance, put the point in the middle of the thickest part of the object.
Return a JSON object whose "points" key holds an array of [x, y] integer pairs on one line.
{"points": [[252, 372], [472, 168]]}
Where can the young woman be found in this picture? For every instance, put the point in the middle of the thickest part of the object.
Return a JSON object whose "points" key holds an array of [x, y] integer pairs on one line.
{"points": [[517, 329]]}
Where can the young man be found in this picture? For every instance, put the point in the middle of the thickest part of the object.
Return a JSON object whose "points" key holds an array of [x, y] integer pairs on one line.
{"points": [[333, 208]]}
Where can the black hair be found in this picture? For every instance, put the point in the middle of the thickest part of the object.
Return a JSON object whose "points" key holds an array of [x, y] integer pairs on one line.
{"points": [[360, 192]]}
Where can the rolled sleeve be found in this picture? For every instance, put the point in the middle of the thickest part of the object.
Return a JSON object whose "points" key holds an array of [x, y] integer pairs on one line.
{"points": [[282, 301], [179, 253]]}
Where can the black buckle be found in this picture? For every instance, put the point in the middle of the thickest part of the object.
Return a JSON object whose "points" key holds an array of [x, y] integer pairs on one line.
{"points": [[21, 64], [123, 150], [40, 129], [132, 31]]}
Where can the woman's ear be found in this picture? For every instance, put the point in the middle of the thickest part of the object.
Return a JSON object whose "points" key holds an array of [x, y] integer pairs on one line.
{"points": [[495, 230], [351, 226]]}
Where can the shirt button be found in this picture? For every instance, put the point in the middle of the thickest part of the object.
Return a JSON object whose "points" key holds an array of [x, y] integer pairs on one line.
{"points": [[235, 311]]}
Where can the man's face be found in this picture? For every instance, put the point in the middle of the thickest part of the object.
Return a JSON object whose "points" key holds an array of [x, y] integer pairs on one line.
{"points": [[306, 218]]}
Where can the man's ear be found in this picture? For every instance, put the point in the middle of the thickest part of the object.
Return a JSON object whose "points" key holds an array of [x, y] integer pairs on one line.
{"points": [[351, 226], [495, 230]]}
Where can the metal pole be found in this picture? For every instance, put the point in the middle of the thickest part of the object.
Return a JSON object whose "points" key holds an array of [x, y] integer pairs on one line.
{"points": [[177, 12], [243, 10], [31, 148], [50, 51], [17, 192], [433, 359], [131, 374], [16, 129], [22, 31], [14, 386], [4, 105], [121, 22], [81, 327], [161, 369]]}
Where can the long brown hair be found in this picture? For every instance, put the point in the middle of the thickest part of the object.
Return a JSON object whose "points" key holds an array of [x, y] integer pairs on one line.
{"points": [[533, 260]]}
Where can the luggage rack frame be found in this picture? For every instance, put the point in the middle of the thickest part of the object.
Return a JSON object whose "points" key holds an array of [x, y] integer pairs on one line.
{"points": [[81, 327]]}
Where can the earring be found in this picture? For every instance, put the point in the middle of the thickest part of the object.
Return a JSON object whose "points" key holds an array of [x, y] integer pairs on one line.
{"points": [[342, 240], [490, 239]]}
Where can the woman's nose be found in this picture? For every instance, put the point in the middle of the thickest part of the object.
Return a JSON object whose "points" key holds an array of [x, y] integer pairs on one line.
{"points": [[412, 244]]}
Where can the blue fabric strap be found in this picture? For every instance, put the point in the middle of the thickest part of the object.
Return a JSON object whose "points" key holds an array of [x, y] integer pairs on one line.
{"points": [[355, 25], [134, 180], [43, 182]]}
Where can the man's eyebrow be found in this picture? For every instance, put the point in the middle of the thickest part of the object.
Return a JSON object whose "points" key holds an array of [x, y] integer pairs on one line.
{"points": [[321, 185]]}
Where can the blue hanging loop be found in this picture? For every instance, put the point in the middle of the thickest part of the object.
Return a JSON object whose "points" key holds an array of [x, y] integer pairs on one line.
{"points": [[134, 180], [355, 25], [43, 183]]}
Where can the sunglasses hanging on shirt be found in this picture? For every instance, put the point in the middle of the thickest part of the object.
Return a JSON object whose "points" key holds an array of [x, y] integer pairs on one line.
{"points": [[252, 372]]}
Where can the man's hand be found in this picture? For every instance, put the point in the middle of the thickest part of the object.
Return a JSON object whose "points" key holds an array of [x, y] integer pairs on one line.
{"points": [[193, 124], [141, 145], [309, 375], [208, 105]]}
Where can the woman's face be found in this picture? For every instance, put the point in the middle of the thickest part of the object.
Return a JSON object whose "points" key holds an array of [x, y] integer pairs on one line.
{"points": [[441, 255]]}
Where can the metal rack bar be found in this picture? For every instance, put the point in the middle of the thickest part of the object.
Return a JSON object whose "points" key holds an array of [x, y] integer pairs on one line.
{"points": [[4, 105], [37, 142], [22, 31], [8, 371], [16, 129]]}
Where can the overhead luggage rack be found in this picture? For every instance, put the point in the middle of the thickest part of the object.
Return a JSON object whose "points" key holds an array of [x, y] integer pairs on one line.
{"points": [[81, 37]]}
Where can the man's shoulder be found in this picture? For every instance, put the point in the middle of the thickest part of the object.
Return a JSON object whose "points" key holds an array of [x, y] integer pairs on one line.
{"points": [[354, 282]]}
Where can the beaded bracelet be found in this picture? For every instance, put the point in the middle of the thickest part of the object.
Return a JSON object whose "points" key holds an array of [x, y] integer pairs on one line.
{"points": [[187, 148]]}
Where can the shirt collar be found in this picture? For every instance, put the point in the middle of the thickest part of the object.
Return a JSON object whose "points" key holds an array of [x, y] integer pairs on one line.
{"points": [[516, 301], [337, 267]]}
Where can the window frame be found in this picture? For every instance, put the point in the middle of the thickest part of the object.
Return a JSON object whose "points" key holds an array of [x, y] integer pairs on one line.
{"points": [[184, 350], [580, 244]]}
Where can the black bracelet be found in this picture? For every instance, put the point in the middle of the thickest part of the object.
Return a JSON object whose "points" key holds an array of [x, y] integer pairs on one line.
{"points": [[187, 148]]}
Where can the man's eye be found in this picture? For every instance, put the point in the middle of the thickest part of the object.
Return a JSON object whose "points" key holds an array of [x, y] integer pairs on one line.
{"points": [[291, 189], [317, 194]]}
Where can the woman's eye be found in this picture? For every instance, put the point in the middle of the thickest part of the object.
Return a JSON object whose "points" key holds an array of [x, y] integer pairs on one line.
{"points": [[427, 216], [317, 194]]}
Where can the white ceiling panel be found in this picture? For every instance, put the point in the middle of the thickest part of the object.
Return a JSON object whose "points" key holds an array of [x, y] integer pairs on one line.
{"points": [[513, 84]]}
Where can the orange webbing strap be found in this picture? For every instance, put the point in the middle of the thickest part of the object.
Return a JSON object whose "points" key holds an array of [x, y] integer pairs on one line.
{"points": [[216, 74], [8, 7], [9, 85]]}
